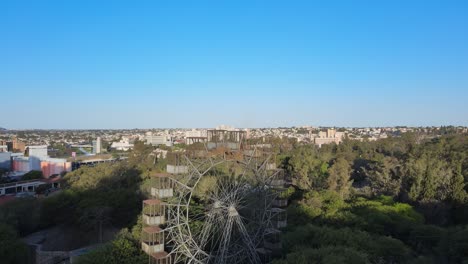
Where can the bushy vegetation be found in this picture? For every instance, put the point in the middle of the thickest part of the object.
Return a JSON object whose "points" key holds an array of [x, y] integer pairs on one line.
{"points": [[93, 199], [32, 175], [124, 249], [12, 250], [397, 200]]}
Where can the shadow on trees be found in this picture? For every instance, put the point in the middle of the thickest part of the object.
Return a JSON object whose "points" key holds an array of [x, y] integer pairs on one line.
{"points": [[94, 204], [368, 231], [113, 202]]}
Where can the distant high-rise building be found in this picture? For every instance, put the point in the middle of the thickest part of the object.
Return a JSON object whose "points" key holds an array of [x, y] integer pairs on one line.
{"points": [[97, 146], [37, 151], [17, 145], [3, 146], [195, 136], [330, 136], [36, 154], [322, 134], [195, 133]]}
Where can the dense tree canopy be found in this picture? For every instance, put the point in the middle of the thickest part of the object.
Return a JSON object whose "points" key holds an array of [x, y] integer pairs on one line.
{"points": [[396, 200], [32, 175], [12, 250]]}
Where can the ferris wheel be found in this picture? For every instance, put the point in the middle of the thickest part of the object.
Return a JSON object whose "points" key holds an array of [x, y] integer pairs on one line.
{"points": [[237, 220]]}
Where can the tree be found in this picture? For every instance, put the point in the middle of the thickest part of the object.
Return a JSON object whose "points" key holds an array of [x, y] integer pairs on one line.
{"points": [[339, 178], [415, 171], [140, 156], [457, 186], [206, 186], [320, 244], [308, 171], [21, 214], [32, 175], [124, 249], [325, 255], [95, 218], [385, 176], [12, 250]]}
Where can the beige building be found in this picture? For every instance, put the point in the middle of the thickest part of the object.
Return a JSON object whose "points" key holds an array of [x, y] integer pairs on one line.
{"points": [[327, 137]]}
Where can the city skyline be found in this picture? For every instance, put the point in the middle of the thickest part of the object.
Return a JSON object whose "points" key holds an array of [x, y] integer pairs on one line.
{"points": [[246, 64]]}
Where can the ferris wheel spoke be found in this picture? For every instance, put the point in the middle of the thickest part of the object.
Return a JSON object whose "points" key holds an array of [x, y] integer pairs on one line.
{"points": [[183, 184], [247, 240], [207, 227], [225, 241], [231, 220]]}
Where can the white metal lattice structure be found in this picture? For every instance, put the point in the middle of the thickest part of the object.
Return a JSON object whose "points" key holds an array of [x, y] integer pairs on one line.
{"points": [[237, 215]]}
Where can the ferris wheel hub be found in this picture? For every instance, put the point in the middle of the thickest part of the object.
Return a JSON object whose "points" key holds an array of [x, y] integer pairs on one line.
{"points": [[232, 211]]}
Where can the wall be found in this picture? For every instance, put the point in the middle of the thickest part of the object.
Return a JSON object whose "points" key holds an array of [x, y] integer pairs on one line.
{"points": [[21, 164], [5, 160], [50, 167]]}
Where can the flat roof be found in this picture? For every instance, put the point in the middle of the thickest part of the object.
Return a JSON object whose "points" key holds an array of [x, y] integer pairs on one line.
{"points": [[153, 202], [152, 229], [160, 255]]}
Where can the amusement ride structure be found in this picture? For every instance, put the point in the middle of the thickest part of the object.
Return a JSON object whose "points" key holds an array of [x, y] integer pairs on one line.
{"points": [[237, 220]]}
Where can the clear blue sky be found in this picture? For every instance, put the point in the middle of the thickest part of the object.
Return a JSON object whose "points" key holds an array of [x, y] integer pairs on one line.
{"points": [[127, 64]]}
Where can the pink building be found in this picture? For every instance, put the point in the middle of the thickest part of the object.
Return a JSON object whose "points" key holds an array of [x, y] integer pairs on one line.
{"points": [[48, 166], [21, 164], [51, 167]]}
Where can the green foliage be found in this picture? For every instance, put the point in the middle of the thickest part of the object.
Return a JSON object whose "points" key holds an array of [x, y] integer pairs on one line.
{"points": [[288, 193], [395, 219], [339, 178], [427, 173], [60, 208], [384, 175], [32, 175], [453, 245], [315, 205], [103, 177], [381, 230], [142, 158], [325, 255], [12, 249], [124, 249], [21, 214], [196, 210], [458, 193], [206, 186], [395, 200], [104, 195], [107, 195], [434, 171], [308, 168], [80, 208], [361, 246]]}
